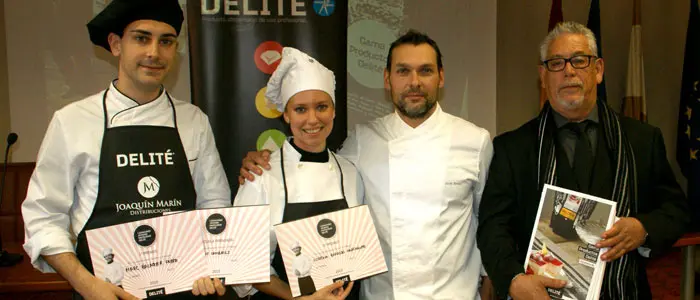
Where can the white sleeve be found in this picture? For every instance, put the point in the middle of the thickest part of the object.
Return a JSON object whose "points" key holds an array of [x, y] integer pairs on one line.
{"points": [[351, 147], [50, 196], [208, 175], [252, 193], [485, 155]]}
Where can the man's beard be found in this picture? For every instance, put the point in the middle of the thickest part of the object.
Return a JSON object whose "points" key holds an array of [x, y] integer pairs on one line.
{"points": [[571, 105], [574, 104], [416, 112]]}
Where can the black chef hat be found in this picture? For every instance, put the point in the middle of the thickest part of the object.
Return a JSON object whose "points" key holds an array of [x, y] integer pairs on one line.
{"points": [[120, 13]]}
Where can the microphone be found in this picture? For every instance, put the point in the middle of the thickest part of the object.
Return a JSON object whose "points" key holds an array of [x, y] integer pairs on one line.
{"points": [[7, 259], [11, 139]]}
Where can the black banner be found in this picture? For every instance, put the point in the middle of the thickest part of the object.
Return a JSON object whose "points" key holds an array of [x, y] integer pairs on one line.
{"points": [[234, 48]]}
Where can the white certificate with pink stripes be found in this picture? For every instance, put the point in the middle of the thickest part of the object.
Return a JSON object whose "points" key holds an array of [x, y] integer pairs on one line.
{"points": [[150, 257], [320, 250], [237, 243]]}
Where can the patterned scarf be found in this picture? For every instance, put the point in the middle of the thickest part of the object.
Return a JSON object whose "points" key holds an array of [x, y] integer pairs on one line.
{"points": [[624, 269]]}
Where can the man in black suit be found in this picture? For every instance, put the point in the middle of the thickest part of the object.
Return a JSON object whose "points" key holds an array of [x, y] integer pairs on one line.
{"points": [[579, 143]]}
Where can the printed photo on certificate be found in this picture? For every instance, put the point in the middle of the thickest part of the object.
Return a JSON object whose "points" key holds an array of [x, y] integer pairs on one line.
{"points": [[320, 250], [151, 257], [237, 243]]}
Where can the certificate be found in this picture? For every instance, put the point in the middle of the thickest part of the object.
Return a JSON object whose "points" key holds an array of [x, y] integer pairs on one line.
{"points": [[320, 250], [237, 243], [151, 257]]}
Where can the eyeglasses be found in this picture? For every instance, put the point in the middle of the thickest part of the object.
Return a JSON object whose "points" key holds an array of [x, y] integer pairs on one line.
{"points": [[577, 61]]}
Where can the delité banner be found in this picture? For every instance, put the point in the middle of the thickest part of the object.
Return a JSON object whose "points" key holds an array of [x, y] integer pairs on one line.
{"points": [[234, 48]]}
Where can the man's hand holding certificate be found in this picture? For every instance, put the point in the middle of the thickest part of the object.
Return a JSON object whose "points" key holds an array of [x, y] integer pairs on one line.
{"points": [[323, 249]]}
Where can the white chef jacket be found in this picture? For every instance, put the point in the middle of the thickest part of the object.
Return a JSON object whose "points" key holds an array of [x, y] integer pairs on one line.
{"points": [[302, 264], [63, 188], [114, 272], [306, 182], [423, 186]]}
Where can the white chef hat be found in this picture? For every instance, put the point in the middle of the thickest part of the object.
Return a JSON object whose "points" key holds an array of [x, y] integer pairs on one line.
{"points": [[298, 72], [295, 245], [107, 251]]}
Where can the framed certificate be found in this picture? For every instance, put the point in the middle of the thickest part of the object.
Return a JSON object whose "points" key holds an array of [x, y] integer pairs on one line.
{"points": [[151, 257], [237, 243], [320, 250]]}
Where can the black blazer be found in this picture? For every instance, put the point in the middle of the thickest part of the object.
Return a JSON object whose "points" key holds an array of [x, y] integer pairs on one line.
{"points": [[511, 198]]}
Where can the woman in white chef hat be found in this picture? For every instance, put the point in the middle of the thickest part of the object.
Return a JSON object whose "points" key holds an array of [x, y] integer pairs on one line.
{"points": [[306, 178]]}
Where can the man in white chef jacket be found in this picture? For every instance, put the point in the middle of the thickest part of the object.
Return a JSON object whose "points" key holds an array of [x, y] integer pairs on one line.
{"points": [[114, 271], [424, 171], [129, 144]]}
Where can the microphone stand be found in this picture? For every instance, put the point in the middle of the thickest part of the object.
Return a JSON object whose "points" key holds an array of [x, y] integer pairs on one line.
{"points": [[6, 259]]}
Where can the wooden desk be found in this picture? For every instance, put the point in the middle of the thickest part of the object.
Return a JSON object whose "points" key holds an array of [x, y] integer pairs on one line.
{"points": [[22, 281]]}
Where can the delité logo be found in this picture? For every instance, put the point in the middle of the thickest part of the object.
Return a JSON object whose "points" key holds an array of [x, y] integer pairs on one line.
{"points": [[324, 8], [248, 8]]}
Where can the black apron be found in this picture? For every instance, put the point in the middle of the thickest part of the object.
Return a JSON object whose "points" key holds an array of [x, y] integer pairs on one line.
{"points": [[296, 211], [158, 154]]}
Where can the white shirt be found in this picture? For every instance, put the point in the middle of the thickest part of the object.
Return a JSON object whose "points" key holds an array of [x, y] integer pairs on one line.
{"points": [[63, 188], [302, 265], [423, 186], [307, 182], [114, 272]]}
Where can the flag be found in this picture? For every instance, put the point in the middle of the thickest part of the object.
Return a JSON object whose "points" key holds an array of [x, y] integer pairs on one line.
{"points": [[556, 15], [688, 138], [634, 103], [594, 25]]}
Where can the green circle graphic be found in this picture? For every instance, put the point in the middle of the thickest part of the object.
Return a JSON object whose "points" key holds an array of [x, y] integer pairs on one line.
{"points": [[271, 139]]}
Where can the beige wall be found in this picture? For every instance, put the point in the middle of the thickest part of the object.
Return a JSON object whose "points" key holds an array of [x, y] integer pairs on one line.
{"points": [[51, 63], [4, 95], [523, 24], [51, 50], [466, 35]]}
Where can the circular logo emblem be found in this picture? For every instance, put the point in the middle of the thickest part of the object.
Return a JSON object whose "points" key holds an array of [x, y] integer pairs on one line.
{"points": [[148, 187], [216, 224], [324, 8], [368, 43], [326, 228], [268, 56], [144, 235], [271, 139], [265, 108]]}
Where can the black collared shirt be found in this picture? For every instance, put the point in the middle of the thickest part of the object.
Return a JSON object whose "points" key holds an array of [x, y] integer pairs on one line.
{"points": [[567, 138], [319, 157]]}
